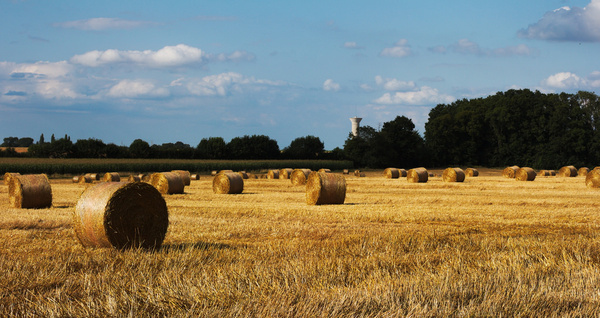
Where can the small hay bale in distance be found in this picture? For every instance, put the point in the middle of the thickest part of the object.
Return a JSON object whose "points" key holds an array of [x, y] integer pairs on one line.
{"points": [[592, 179], [453, 175], [228, 183], [243, 174], [299, 176], [134, 178], [75, 179], [583, 171], [185, 176], [285, 173], [325, 188], [30, 191], [391, 173], [525, 174], [345, 171], [111, 177], [403, 173], [357, 173], [167, 182], [567, 172], [195, 176], [94, 176], [471, 172], [544, 173], [417, 175], [121, 215], [273, 174], [509, 172], [85, 179], [325, 170], [9, 175]]}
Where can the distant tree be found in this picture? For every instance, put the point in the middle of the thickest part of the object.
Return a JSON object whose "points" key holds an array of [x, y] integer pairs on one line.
{"points": [[89, 148], [139, 149], [360, 149], [178, 150], [25, 142], [253, 147], [309, 147], [114, 151], [52, 138], [400, 145], [10, 142], [41, 139], [211, 148], [61, 148]]}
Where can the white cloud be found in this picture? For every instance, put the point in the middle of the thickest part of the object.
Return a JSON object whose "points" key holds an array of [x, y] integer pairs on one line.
{"points": [[44, 79], [465, 46], [221, 84], [98, 24], [330, 85], [399, 50], [41, 69], [168, 56], [423, 96], [352, 45], [392, 84], [237, 56], [567, 24], [136, 88]]}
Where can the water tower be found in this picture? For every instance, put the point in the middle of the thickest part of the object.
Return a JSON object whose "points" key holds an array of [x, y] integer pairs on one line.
{"points": [[355, 124]]}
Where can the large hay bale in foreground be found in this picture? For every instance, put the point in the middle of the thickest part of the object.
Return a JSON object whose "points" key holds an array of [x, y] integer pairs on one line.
{"points": [[471, 172], [185, 176], [9, 175], [299, 176], [228, 183], [30, 191], [509, 172], [285, 173], [453, 175], [121, 215], [567, 172], [111, 177], [592, 179], [273, 174], [167, 182], [583, 171], [325, 188], [417, 175], [525, 174], [391, 173]]}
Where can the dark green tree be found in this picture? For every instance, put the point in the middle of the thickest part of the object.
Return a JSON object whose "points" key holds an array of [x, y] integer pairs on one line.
{"points": [[211, 148], [253, 147], [140, 149], [309, 147], [90, 148]]}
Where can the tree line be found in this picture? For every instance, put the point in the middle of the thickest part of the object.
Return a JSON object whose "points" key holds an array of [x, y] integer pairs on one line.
{"points": [[516, 127]]}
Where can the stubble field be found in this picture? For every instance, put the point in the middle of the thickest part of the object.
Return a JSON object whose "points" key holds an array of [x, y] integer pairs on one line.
{"points": [[489, 246]]}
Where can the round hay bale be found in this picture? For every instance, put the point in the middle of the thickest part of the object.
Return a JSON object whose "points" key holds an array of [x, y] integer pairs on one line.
{"points": [[357, 173], [167, 182], [471, 172], [345, 171], [299, 176], [525, 174], [195, 176], [94, 176], [417, 175], [134, 178], [509, 172], [592, 179], [391, 173], [583, 171], [325, 188], [273, 174], [325, 170], [223, 171], [8, 175], [75, 179], [121, 215], [30, 191], [285, 173], [553, 173], [544, 173], [85, 179], [453, 175], [228, 183], [567, 172], [214, 173], [185, 176], [111, 177], [403, 173], [243, 174]]}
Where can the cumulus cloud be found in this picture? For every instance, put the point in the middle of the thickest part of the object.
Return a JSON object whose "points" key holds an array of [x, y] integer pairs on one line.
{"points": [[422, 96], [571, 81], [392, 84], [465, 46], [136, 88], [399, 50], [330, 85], [49, 80], [99, 24], [567, 24], [168, 56], [40, 69], [221, 84]]}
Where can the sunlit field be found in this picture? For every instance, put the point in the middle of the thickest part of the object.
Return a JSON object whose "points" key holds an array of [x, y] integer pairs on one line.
{"points": [[489, 246]]}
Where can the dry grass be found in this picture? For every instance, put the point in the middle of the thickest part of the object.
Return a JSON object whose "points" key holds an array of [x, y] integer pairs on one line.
{"points": [[489, 246]]}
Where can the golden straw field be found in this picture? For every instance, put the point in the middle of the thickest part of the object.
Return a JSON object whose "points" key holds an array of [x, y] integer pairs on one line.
{"points": [[489, 246]]}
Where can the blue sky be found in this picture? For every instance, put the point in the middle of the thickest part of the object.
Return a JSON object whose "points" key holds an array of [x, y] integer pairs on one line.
{"points": [[186, 70]]}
